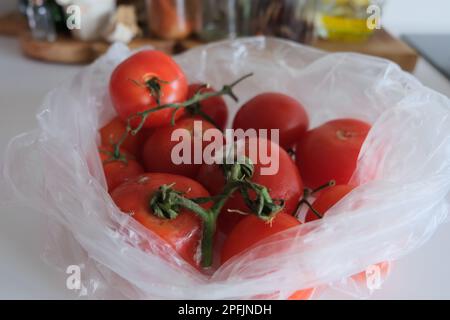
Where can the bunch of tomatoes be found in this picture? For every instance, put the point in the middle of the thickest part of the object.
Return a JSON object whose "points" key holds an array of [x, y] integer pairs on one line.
{"points": [[191, 205]]}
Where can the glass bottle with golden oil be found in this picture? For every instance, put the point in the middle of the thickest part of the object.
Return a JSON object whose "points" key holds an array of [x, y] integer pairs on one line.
{"points": [[345, 20]]}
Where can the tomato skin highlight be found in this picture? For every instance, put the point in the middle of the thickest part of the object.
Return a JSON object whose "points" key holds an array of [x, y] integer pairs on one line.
{"points": [[214, 107], [118, 172], [274, 111], [129, 97], [330, 152], [285, 184], [157, 152], [326, 199], [182, 233]]}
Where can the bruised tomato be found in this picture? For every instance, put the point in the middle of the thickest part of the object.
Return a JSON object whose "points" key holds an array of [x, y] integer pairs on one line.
{"points": [[183, 233], [279, 175], [274, 111], [251, 230], [118, 171], [172, 149], [215, 107], [330, 152], [138, 82]]}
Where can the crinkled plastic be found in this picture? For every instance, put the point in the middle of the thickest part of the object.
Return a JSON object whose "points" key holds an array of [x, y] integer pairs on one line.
{"points": [[403, 169]]}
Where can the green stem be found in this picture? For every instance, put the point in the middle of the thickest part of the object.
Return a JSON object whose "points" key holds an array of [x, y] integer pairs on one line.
{"points": [[307, 193], [209, 229], [309, 205], [167, 202], [198, 97]]}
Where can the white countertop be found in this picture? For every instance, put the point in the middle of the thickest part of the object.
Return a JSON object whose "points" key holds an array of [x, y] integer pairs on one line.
{"points": [[23, 274]]}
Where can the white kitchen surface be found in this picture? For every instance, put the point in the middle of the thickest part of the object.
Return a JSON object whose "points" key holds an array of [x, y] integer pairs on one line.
{"points": [[23, 274]]}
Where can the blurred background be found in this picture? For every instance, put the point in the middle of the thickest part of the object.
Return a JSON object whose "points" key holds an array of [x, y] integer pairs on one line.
{"points": [[387, 28]]}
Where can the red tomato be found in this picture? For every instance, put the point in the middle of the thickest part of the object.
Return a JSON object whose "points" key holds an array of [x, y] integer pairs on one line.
{"points": [[158, 149], [274, 111], [330, 152], [118, 172], [113, 131], [215, 107], [285, 184], [251, 230], [130, 94], [182, 233], [328, 198]]}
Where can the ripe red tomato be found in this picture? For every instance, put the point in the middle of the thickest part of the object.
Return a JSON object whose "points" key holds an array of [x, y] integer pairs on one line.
{"points": [[158, 149], [251, 230], [274, 111], [130, 94], [326, 199], [215, 107], [182, 233], [330, 152], [118, 172], [285, 184], [113, 131]]}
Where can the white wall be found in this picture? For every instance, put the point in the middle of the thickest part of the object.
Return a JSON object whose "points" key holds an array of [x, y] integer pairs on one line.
{"points": [[399, 16], [417, 16], [7, 5]]}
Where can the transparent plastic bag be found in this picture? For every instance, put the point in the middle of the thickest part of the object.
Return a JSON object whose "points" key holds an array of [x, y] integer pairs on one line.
{"points": [[403, 169]]}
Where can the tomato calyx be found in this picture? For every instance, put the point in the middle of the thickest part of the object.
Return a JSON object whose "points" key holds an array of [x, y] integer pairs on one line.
{"points": [[114, 156], [153, 85], [344, 135], [166, 203], [309, 192]]}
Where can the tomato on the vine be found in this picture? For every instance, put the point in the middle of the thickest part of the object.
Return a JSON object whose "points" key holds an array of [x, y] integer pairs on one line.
{"points": [[159, 150], [183, 233], [251, 230], [274, 111], [118, 171], [330, 152], [215, 108], [141, 80], [285, 183]]}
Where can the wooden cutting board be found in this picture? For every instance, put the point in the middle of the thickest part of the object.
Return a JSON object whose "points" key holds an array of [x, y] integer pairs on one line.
{"points": [[381, 44], [71, 51], [12, 24]]}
